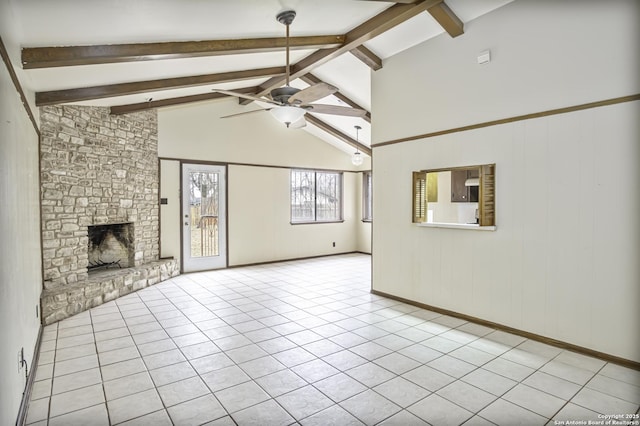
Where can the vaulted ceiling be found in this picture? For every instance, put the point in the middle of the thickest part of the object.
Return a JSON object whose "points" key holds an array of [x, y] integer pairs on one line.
{"points": [[132, 55]]}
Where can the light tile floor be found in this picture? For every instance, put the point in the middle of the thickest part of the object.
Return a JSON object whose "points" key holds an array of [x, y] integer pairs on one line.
{"points": [[305, 342]]}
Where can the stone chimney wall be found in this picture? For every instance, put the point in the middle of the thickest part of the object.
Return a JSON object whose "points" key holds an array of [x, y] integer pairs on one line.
{"points": [[96, 168]]}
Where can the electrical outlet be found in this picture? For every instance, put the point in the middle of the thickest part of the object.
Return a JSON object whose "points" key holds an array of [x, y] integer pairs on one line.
{"points": [[334, 243]]}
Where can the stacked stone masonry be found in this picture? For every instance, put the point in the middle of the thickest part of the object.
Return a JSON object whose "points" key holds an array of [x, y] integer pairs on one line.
{"points": [[95, 168]]}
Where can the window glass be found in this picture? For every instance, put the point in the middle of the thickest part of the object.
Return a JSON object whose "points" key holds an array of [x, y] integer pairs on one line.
{"points": [[316, 196], [367, 191]]}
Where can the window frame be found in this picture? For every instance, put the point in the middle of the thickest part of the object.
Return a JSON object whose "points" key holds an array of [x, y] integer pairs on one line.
{"points": [[340, 197], [367, 196]]}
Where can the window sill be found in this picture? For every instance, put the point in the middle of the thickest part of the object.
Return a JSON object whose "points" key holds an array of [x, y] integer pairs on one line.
{"points": [[316, 222], [471, 226]]}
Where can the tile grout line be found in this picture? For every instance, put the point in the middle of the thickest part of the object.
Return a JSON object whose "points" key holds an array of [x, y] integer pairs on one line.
{"points": [[53, 371], [104, 392], [146, 371], [180, 350], [287, 368], [568, 401]]}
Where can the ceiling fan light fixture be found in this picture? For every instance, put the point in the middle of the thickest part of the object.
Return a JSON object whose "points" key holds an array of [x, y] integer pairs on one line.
{"points": [[287, 114]]}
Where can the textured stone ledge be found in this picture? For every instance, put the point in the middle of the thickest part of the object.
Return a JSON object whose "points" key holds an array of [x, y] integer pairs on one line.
{"points": [[102, 287]]}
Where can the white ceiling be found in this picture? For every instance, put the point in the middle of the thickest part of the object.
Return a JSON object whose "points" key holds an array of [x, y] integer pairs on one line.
{"points": [[46, 23]]}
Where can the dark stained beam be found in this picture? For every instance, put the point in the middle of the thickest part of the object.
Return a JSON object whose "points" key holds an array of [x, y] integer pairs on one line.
{"points": [[337, 133], [369, 58], [311, 79], [126, 109], [4, 55], [447, 19], [121, 89], [44, 57], [382, 22]]}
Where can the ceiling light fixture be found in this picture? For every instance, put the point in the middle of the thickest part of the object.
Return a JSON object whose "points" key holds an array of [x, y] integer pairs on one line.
{"points": [[287, 114], [356, 158]]}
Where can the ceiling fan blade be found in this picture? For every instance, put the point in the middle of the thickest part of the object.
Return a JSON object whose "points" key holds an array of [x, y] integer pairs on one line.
{"points": [[335, 110], [246, 112], [299, 124], [313, 93], [245, 96]]}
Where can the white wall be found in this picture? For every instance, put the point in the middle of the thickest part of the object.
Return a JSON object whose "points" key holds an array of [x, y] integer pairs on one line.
{"points": [[259, 219], [195, 133], [170, 212], [563, 260], [20, 264], [363, 229], [364, 237], [545, 54]]}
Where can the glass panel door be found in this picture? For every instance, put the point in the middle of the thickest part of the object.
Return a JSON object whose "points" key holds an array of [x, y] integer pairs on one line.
{"points": [[203, 213]]}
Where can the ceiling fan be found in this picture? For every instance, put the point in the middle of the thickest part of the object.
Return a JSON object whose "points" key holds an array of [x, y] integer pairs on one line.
{"points": [[291, 104]]}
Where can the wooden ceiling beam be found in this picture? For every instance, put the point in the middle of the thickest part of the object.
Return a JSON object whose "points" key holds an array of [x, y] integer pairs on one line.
{"points": [[311, 79], [382, 22], [121, 89], [337, 133], [447, 19], [45, 57], [142, 106], [369, 58]]}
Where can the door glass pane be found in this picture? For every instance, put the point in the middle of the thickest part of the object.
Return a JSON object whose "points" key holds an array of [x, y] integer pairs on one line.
{"points": [[204, 201]]}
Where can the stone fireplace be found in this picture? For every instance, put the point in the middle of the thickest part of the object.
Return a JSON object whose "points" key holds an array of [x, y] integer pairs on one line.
{"points": [[100, 206]]}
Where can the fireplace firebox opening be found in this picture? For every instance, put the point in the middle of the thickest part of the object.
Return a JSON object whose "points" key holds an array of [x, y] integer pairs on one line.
{"points": [[111, 246]]}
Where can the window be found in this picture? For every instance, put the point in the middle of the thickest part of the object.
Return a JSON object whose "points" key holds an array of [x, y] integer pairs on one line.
{"points": [[316, 196], [455, 196], [367, 190]]}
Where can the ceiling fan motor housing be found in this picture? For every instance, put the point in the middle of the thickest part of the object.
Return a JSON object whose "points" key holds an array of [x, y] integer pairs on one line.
{"points": [[282, 94]]}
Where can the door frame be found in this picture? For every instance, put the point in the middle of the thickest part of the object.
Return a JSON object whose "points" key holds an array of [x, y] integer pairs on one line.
{"points": [[226, 209]]}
